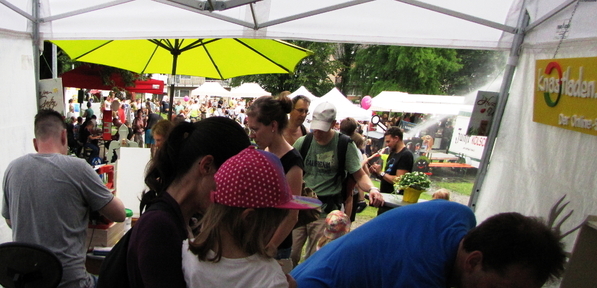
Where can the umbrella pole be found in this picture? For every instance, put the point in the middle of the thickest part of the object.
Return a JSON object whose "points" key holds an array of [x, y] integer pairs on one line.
{"points": [[174, 61]]}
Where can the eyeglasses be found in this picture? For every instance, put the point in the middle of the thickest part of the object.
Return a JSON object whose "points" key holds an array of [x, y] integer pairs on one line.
{"points": [[303, 111]]}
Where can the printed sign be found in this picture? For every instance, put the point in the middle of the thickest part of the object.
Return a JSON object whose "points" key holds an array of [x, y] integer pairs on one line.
{"points": [[50, 95], [483, 111], [469, 147], [565, 94]]}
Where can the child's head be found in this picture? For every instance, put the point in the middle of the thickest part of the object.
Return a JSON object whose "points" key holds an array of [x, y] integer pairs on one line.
{"points": [[442, 193], [337, 223], [251, 200]]}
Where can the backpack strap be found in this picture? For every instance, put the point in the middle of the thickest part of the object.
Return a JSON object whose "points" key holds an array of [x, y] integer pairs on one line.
{"points": [[306, 145], [343, 142], [303, 130]]}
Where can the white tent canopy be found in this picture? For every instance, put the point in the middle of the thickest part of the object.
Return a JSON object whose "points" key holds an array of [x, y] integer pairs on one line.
{"points": [[547, 161], [211, 89], [303, 91], [344, 108], [394, 101], [249, 90]]}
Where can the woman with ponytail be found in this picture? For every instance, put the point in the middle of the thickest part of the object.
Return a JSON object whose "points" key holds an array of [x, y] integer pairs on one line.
{"points": [[267, 119], [180, 178]]}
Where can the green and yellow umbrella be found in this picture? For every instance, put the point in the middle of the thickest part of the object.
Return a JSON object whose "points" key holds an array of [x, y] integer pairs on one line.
{"points": [[219, 58]]}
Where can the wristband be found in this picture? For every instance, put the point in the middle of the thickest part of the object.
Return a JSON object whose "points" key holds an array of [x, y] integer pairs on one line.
{"points": [[373, 188]]}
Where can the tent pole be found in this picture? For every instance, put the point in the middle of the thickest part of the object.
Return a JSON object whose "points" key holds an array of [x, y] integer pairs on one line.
{"points": [[171, 94], [36, 65], [523, 21]]}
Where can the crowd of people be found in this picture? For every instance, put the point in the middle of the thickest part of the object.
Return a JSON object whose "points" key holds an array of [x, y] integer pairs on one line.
{"points": [[247, 197]]}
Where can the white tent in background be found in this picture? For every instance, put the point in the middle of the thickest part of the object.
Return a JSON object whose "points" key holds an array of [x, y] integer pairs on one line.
{"points": [[211, 89], [394, 101], [303, 91], [249, 90], [344, 108]]}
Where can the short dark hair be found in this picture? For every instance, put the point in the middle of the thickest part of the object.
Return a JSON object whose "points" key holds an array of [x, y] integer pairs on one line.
{"points": [[300, 97], [394, 131], [507, 239], [348, 126], [48, 123]]}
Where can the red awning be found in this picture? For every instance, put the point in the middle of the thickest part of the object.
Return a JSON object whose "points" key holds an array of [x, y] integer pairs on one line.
{"points": [[89, 77]]}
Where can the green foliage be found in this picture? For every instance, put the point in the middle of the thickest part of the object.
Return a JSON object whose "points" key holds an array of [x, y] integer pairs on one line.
{"points": [[409, 69], [313, 72], [479, 67]]}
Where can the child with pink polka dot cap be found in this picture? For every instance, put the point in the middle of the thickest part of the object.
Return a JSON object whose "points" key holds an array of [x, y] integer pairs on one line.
{"points": [[251, 199]]}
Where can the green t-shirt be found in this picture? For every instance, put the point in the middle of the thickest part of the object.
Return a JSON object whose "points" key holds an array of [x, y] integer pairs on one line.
{"points": [[321, 165]]}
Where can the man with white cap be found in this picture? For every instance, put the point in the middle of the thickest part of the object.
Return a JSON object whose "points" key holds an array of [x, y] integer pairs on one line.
{"points": [[321, 174]]}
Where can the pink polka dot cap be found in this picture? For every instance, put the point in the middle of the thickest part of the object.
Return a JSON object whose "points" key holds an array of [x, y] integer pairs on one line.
{"points": [[255, 179]]}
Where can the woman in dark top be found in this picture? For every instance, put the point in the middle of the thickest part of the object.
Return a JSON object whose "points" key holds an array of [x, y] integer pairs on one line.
{"points": [[267, 118], [181, 174]]}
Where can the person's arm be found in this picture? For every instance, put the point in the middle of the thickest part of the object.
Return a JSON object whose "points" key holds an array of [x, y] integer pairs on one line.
{"points": [[295, 181], [114, 210], [364, 182]]}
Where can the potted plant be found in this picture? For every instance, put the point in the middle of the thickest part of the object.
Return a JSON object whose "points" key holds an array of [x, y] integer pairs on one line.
{"points": [[413, 184]]}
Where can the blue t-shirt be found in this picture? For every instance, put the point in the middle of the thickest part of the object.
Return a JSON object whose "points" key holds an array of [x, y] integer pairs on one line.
{"points": [[411, 246]]}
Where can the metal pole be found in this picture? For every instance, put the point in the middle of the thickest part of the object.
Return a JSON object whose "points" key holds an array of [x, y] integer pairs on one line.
{"points": [[174, 61], [54, 61], [523, 21], [36, 65]]}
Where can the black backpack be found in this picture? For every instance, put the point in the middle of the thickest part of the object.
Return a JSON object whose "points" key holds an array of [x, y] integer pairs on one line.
{"points": [[332, 202], [113, 272]]}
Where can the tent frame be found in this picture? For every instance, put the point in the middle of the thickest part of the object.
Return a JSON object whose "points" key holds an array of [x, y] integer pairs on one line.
{"points": [[519, 32]]}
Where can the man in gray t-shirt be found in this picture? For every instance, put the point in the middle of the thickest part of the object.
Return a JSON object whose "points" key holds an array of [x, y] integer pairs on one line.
{"points": [[48, 197]]}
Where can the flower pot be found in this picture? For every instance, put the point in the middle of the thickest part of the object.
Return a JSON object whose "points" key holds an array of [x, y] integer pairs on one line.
{"points": [[411, 195]]}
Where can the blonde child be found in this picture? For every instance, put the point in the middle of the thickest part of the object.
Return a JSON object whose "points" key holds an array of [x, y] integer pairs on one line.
{"points": [[251, 200], [337, 223], [442, 193]]}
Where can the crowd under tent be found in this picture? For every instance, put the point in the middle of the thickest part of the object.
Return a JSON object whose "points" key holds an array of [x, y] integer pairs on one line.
{"points": [[527, 165]]}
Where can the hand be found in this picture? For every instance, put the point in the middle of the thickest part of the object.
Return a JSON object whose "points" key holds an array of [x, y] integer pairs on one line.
{"points": [[374, 169], [375, 199], [291, 281]]}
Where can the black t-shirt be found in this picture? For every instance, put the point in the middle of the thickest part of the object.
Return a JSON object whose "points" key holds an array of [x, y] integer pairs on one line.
{"points": [[403, 160], [289, 160]]}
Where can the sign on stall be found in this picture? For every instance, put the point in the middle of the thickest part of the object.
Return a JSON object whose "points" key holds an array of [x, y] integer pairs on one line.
{"points": [[483, 111], [51, 95], [469, 147], [565, 94]]}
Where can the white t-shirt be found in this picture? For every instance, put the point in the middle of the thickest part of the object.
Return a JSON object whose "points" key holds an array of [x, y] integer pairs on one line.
{"points": [[252, 271]]}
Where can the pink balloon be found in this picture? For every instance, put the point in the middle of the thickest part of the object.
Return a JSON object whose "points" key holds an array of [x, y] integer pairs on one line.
{"points": [[366, 102], [186, 98]]}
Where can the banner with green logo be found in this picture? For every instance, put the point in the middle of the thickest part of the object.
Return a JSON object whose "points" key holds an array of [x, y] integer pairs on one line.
{"points": [[565, 94]]}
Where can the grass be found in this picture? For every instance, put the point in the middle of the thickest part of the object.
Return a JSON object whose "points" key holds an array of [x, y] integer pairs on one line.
{"points": [[463, 188]]}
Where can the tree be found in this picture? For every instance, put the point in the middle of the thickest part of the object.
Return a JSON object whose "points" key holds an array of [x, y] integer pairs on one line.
{"points": [[409, 69], [346, 54], [313, 72], [478, 68]]}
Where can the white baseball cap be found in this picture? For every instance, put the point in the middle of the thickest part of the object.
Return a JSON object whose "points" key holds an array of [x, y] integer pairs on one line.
{"points": [[323, 116]]}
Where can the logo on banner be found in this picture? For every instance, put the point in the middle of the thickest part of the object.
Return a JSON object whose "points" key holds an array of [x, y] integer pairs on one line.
{"points": [[565, 94]]}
